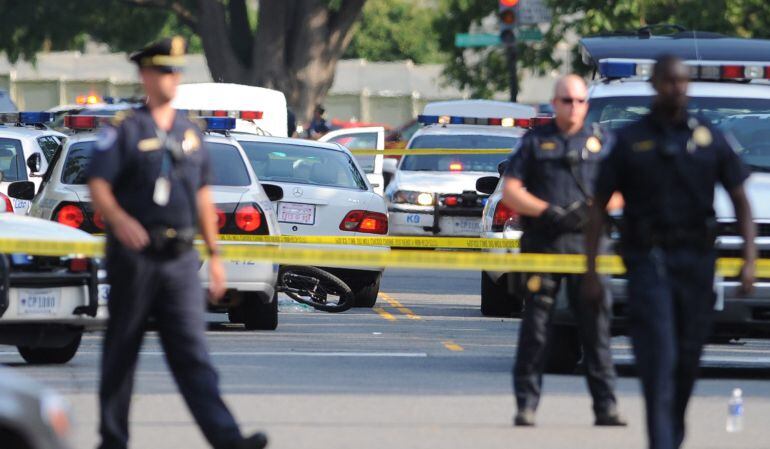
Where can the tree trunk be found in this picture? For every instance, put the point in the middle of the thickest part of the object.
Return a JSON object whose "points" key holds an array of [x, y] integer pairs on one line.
{"points": [[295, 49]]}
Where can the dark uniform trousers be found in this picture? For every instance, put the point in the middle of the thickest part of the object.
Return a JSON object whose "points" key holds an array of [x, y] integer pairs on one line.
{"points": [[671, 301], [168, 289], [593, 328]]}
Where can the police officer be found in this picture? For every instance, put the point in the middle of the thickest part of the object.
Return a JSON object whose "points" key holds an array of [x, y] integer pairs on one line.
{"points": [[148, 178], [666, 166], [549, 181]]}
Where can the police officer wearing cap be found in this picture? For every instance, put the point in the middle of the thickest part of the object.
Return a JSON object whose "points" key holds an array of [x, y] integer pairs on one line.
{"points": [[148, 178], [666, 165], [549, 181]]}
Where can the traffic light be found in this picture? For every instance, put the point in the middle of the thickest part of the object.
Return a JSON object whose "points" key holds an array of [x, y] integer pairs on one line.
{"points": [[507, 15]]}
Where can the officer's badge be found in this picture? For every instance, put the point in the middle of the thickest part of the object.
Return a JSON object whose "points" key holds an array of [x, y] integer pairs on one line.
{"points": [[702, 136], [644, 145], [548, 145], [534, 284], [177, 46], [593, 144], [191, 141]]}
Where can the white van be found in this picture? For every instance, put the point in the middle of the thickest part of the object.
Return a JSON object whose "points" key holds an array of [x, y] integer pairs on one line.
{"points": [[262, 111]]}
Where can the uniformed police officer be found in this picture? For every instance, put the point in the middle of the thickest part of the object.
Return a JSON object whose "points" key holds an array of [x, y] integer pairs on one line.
{"points": [[666, 166], [148, 178], [549, 181]]}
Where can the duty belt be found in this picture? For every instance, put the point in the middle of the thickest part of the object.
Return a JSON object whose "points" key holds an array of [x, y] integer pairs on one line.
{"points": [[170, 242]]}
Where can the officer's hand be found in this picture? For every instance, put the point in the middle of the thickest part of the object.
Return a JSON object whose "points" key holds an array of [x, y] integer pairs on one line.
{"points": [[130, 232], [592, 290], [217, 279], [552, 216], [747, 277]]}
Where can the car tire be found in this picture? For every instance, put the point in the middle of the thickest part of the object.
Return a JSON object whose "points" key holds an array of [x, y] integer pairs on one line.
{"points": [[495, 299], [51, 356], [564, 351], [256, 315], [366, 295]]}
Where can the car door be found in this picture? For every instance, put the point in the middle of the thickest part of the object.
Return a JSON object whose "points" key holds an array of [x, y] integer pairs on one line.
{"points": [[372, 138]]}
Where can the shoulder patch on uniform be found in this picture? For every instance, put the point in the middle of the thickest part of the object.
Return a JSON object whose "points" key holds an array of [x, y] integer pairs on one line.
{"points": [[548, 145], [644, 145], [702, 136], [191, 141], [105, 138], [149, 144]]}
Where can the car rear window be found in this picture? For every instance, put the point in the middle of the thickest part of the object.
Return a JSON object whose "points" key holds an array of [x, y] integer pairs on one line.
{"points": [[227, 165], [458, 161], [12, 163], [303, 164]]}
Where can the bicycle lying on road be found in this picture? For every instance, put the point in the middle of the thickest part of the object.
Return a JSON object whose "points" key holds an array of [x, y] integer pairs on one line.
{"points": [[315, 287]]}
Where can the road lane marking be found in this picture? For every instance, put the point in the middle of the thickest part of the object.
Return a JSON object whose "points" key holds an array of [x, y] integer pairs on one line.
{"points": [[400, 307], [452, 346], [382, 313]]}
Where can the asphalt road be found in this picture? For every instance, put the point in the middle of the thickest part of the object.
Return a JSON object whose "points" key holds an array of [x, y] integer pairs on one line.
{"points": [[422, 370]]}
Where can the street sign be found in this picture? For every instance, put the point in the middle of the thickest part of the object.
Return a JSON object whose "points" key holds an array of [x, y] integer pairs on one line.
{"points": [[533, 12], [529, 34], [476, 40]]}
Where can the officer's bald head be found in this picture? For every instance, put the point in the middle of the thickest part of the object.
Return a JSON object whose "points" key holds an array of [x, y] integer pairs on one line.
{"points": [[570, 103], [670, 79]]}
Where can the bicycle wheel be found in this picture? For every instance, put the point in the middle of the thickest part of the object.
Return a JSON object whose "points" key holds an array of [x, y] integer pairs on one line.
{"points": [[316, 288]]}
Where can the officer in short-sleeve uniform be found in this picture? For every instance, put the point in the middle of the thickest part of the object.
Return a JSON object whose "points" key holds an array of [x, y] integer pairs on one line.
{"points": [[560, 170], [666, 170], [154, 176]]}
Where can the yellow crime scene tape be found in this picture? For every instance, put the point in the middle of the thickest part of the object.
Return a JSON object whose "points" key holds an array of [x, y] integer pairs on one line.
{"points": [[329, 257], [391, 241], [430, 151]]}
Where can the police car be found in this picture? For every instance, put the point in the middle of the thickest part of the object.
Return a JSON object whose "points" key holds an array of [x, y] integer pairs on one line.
{"points": [[434, 195], [26, 148], [48, 302], [326, 192], [243, 208]]}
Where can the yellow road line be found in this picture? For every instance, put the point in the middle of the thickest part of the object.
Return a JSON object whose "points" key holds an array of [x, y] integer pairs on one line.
{"points": [[385, 315], [400, 307], [452, 346]]}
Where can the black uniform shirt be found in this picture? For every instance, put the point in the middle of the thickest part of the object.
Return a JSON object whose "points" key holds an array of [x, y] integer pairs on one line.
{"points": [[542, 163], [665, 180], [129, 156]]}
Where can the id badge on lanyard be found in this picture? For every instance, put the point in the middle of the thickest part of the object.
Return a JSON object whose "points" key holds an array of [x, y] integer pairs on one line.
{"points": [[162, 192]]}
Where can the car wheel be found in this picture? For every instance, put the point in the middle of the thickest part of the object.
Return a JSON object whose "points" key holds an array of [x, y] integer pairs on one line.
{"points": [[50, 356], [495, 299], [256, 315], [563, 352], [366, 295]]}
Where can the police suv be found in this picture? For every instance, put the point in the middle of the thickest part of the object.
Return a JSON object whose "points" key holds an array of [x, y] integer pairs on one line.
{"points": [[243, 208], [436, 194], [26, 148]]}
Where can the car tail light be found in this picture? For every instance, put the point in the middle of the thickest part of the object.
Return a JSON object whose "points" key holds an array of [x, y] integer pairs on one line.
{"points": [[248, 218], [503, 213], [99, 221], [78, 265], [365, 221], [70, 215], [5, 205], [221, 219]]}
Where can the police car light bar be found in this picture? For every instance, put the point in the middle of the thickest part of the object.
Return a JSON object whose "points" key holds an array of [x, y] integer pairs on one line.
{"points": [[243, 115], [699, 70], [26, 118], [505, 122], [85, 122]]}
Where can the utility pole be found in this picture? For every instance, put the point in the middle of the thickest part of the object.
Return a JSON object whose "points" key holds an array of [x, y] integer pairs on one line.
{"points": [[507, 14]]}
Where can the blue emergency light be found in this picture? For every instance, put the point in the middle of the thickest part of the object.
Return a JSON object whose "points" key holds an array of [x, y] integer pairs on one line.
{"points": [[219, 123], [26, 118]]}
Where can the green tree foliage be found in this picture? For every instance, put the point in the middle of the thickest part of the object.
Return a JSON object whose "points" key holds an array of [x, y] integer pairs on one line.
{"points": [[483, 71], [392, 30]]}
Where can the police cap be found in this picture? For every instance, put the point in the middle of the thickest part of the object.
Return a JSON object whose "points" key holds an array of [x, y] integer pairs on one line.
{"points": [[166, 55]]}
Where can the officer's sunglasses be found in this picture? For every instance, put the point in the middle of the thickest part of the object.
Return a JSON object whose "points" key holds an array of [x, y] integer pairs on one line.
{"points": [[570, 100]]}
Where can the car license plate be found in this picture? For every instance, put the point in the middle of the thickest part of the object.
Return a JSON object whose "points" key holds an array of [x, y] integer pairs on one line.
{"points": [[296, 213], [39, 301], [466, 226]]}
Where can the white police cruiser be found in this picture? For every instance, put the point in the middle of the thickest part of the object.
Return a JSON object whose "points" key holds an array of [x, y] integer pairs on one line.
{"points": [[243, 208], [436, 194], [26, 148]]}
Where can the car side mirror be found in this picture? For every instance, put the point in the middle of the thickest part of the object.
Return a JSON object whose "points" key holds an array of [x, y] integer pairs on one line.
{"points": [[273, 192], [34, 163], [389, 165], [21, 190], [487, 184], [502, 166]]}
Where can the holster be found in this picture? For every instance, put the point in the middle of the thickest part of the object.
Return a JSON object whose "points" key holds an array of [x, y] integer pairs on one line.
{"points": [[170, 242]]}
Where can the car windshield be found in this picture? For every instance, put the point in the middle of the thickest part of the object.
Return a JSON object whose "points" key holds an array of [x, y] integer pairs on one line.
{"points": [[747, 119], [458, 161], [12, 160], [303, 164], [227, 166]]}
